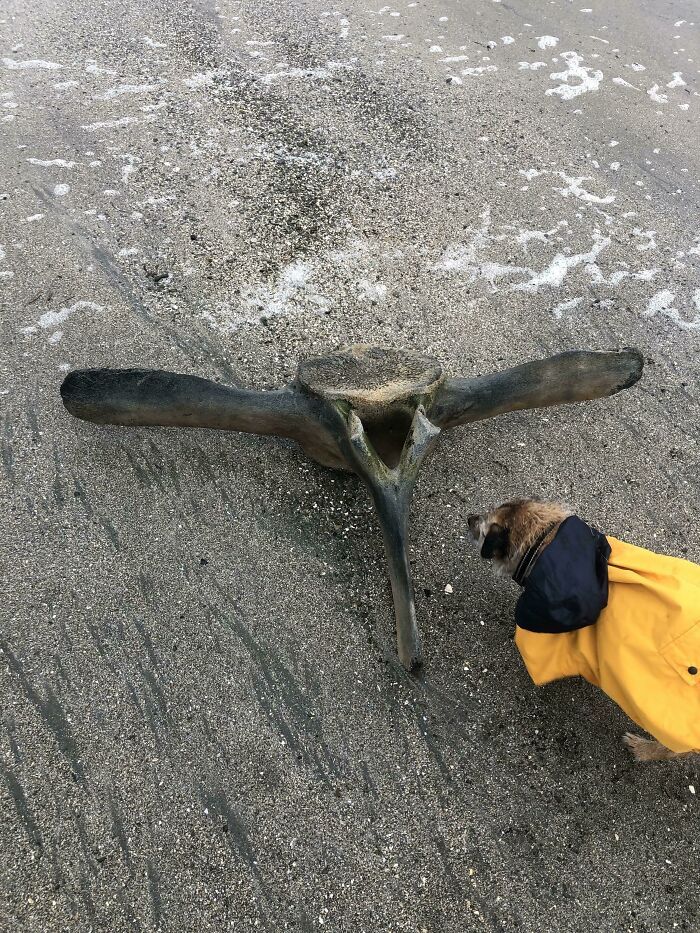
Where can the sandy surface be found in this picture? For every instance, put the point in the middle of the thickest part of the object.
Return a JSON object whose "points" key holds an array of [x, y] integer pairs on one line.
{"points": [[204, 726]]}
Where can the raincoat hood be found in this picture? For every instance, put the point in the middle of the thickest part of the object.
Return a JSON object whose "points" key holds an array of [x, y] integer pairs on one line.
{"points": [[567, 588]]}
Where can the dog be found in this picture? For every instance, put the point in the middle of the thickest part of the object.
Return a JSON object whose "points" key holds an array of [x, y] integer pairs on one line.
{"points": [[624, 618]]}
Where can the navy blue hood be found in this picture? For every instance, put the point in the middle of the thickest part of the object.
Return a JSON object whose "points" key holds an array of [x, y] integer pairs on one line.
{"points": [[567, 588]]}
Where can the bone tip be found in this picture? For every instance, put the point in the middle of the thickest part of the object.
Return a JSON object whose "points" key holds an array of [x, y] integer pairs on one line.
{"points": [[69, 384], [412, 661], [635, 359], [72, 388]]}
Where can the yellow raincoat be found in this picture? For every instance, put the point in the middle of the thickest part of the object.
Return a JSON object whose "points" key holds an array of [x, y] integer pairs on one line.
{"points": [[644, 648]]}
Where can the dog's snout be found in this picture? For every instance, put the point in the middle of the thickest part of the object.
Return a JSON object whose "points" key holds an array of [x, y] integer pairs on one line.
{"points": [[473, 522]]}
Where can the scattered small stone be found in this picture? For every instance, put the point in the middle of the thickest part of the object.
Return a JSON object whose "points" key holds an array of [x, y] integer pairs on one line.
{"points": [[448, 589]]}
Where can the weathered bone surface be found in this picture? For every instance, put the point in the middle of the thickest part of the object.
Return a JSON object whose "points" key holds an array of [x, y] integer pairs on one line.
{"points": [[371, 379], [375, 411]]}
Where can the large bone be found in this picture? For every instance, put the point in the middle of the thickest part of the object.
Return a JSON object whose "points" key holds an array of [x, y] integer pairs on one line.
{"points": [[373, 411]]}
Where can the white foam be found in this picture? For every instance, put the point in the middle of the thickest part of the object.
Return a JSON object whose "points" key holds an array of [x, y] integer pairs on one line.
{"points": [[60, 191], [574, 187], [565, 306], [45, 163], [649, 235], [51, 319], [660, 302], [151, 201], [310, 74], [109, 124], [531, 66], [490, 271], [293, 288], [555, 273], [354, 252], [129, 169], [151, 43], [371, 291], [623, 83], [614, 279], [589, 78], [463, 257], [34, 64], [677, 80], [32, 218], [466, 258], [92, 68], [525, 236], [205, 78], [547, 42], [663, 303], [657, 97], [507, 40], [481, 257], [482, 69], [120, 89]]}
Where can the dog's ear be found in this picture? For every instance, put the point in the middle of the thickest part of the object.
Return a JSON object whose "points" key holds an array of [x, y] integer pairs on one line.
{"points": [[495, 543]]}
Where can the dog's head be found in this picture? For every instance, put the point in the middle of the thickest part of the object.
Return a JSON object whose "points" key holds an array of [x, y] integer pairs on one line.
{"points": [[506, 532]]}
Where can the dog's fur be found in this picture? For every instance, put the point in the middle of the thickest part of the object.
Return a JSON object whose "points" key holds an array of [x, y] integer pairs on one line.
{"points": [[504, 534]]}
